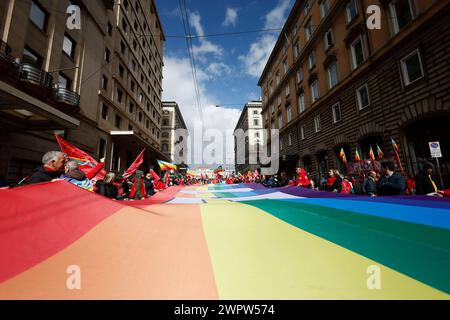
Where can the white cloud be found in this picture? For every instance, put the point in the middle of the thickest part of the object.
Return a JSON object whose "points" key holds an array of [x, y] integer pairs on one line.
{"points": [[218, 69], [206, 46], [259, 52], [231, 16], [178, 86]]}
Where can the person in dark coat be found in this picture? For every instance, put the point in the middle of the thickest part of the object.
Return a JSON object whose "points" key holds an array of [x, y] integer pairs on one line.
{"points": [[334, 181], [427, 182], [369, 186], [52, 167], [106, 187], [391, 183], [149, 187]]}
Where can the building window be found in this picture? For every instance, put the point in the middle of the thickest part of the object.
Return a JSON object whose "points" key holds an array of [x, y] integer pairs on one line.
{"points": [[301, 102], [141, 97], [104, 82], [401, 14], [285, 66], [306, 7], [272, 124], [123, 47], [255, 112], [101, 148], [280, 121], [133, 65], [118, 121], [317, 124], [132, 86], [165, 122], [104, 111], [109, 28], [64, 82], [287, 90], [302, 132], [290, 139], [362, 97], [412, 68], [288, 114], [308, 31], [68, 45], [277, 78], [107, 54], [131, 107], [299, 75], [255, 122], [281, 144], [328, 39], [296, 50], [315, 90], [332, 74], [30, 56], [119, 95], [351, 10], [311, 60], [121, 70], [324, 7], [272, 108], [38, 15], [357, 52], [140, 116], [336, 109]]}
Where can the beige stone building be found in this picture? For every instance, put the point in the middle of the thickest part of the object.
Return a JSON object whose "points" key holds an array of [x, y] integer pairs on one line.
{"points": [[99, 86], [174, 142], [246, 147]]}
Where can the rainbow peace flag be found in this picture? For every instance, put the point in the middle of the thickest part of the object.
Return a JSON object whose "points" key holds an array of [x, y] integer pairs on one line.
{"points": [[380, 153], [357, 156], [371, 154], [342, 155], [166, 165], [218, 170], [222, 242]]}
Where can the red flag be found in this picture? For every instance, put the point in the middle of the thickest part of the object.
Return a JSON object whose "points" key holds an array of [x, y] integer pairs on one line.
{"points": [[397, 158], [84, 160], [154, 175], [135, 165]]}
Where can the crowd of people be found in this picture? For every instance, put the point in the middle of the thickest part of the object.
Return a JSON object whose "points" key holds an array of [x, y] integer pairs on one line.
{"points": [[57, 166]]}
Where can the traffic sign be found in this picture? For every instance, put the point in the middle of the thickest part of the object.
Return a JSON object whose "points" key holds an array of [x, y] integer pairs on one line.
{"points": [[435, 149]]}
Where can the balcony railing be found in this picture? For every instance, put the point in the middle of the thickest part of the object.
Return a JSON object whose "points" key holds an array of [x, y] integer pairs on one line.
{"points": [[68, 97], [5, 50], [33, 74]]}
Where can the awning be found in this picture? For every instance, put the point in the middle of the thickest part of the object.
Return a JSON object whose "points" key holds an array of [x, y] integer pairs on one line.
{"points": [[136, 143], [20, 111]]}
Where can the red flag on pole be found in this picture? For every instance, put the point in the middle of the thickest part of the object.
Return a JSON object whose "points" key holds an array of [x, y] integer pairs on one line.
{"points": [[84, 160], [397, 158], [135, 165], [154, 175]]}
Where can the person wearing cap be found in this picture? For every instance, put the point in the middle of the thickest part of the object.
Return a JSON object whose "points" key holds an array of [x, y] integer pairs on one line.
{"points": [[138, 191]]}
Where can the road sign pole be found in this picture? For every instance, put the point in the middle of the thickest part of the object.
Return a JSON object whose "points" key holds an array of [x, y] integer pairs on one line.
{"points": [[439, 172]]}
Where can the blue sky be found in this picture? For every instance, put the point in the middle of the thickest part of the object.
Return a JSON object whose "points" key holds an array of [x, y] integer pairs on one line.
{"points": [[228, 66]]}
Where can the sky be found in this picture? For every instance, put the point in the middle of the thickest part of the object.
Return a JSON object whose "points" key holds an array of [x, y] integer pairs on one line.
{"points": [[228, 67]]}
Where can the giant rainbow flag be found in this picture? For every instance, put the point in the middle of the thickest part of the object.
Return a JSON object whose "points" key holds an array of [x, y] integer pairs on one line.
{"points": [[222, 242]]}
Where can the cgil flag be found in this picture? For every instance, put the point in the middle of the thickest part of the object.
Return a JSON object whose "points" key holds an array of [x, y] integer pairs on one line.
{"points": [[166, 165], [135, 165], [84, 160]]}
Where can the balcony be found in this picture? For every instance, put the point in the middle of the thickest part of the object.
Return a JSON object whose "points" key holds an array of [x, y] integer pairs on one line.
{"points": [[5, 52], [33, 74], [66, 96]]}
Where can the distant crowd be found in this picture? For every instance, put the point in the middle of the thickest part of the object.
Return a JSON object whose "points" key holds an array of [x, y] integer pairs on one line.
{"points": [[57, 166]]}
